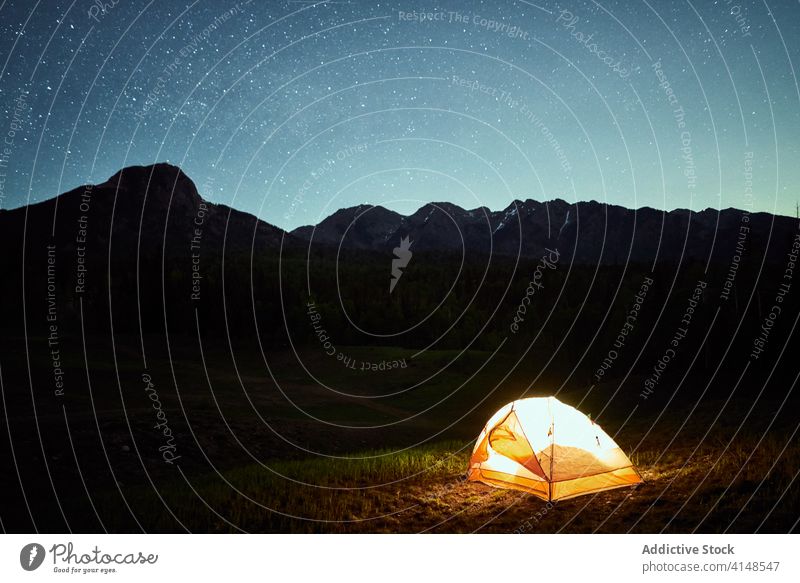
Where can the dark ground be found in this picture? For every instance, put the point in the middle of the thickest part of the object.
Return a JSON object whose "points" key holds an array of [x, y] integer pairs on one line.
{"points": [[715, 457]]}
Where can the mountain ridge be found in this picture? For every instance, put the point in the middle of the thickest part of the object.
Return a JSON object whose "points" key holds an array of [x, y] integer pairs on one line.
{"points": [[159, 206], [590, 231]]}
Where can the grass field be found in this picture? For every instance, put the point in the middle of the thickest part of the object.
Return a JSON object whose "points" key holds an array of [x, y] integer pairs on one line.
{"points": [[349, 451], [742, 489]]}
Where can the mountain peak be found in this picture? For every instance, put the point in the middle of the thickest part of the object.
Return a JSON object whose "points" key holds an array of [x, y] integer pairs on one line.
{"points": [[163, 184]]}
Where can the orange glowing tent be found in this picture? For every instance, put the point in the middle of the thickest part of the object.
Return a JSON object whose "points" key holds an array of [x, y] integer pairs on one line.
{"points": [[547, 448]]}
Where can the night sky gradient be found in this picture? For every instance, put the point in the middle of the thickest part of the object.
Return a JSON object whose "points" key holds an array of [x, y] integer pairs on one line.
{"points": [[291, 110]]}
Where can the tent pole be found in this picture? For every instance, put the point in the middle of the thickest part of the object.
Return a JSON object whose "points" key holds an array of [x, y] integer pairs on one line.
{"points": [[552, 451]]}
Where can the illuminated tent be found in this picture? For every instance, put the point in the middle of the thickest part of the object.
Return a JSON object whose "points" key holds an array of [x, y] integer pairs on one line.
{"points": [[547, 448]]}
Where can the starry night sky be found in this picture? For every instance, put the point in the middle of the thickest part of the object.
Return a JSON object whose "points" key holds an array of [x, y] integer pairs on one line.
{"points": [[291, 110]]}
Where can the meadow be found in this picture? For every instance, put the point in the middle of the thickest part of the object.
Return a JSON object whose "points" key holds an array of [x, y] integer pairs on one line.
{"points": [[711, 462], [320, 447], [748, 487]]}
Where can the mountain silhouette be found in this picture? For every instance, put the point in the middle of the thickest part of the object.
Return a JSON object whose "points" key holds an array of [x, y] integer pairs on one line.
{"points": [[156, 210], [143, 241], [144, 251], [588, 232], [144, 208]]}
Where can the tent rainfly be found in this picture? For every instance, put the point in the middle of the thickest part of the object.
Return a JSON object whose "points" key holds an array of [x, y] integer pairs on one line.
{"points": [[542, 446]]}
